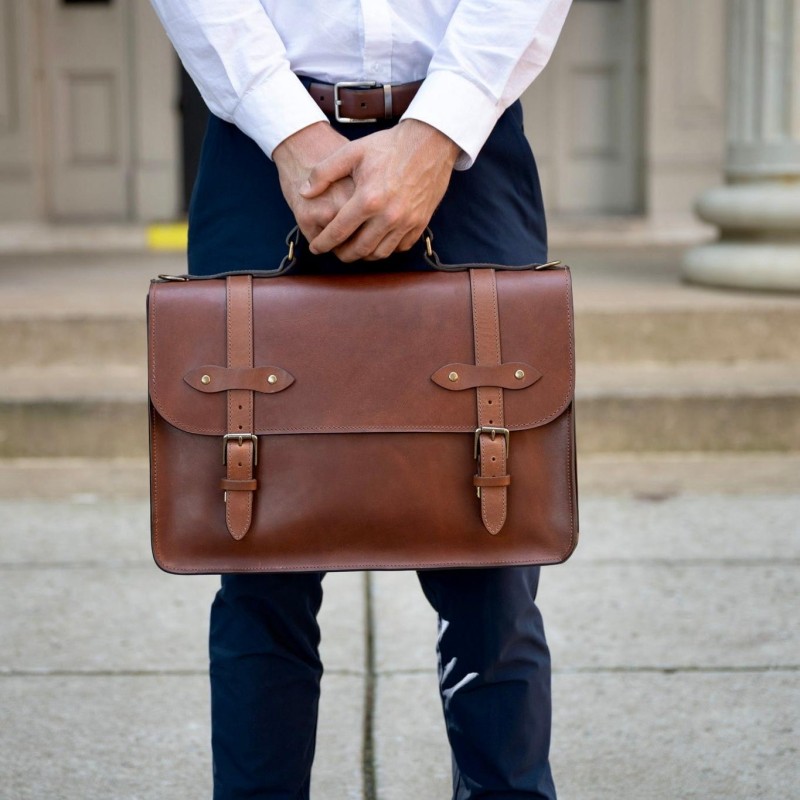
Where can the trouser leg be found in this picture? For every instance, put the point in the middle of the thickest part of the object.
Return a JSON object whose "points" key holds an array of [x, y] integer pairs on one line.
{"points": [[265, 676], [494, 672]]}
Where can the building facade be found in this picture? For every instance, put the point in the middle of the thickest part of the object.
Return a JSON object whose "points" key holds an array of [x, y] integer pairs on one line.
{"points": [[627, 121]]}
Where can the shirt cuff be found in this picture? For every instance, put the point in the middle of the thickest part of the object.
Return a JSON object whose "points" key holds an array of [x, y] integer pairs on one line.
{"points": [[459, 109], [274, 109]]}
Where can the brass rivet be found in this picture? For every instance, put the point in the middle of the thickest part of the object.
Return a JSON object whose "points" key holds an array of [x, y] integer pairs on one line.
{"points": [[519, 374], [206, 379], [453, 376], [272, 379]]}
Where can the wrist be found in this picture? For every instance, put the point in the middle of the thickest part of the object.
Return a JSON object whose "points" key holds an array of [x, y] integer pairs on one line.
{"points": [[428, 137], [307, 146]]}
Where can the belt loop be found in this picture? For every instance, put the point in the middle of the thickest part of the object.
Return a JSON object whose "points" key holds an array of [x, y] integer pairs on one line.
{"points": [[387, 100]]}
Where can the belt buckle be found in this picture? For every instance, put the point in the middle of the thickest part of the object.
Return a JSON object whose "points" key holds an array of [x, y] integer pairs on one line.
{"points": [[241, 437], [506, 433], [350, 85]]}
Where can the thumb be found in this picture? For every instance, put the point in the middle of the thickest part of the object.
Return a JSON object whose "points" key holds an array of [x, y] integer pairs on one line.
{"points": [[336, 166]]}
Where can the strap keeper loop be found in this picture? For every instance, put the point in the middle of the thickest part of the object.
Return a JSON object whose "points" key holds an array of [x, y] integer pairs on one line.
{"points": [[490, 481], [230, 485]]}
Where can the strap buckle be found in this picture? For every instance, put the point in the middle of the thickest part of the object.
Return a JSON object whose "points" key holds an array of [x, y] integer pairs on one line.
{"points": [[493, 431], [241, 437], [337, 100]]}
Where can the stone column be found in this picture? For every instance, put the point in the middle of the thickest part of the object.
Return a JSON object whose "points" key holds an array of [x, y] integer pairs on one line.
{"points": [[758, 210]]}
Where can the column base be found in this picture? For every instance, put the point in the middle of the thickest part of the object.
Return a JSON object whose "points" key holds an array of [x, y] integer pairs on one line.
{"points": [[753, 206], [745, 265]]}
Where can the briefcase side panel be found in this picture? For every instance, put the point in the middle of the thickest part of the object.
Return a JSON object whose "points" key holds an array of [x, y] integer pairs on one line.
{"points": [[362, 501]]}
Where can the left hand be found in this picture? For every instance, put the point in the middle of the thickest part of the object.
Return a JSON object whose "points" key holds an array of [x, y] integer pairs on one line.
{"points": [[294, 157], [400, 176]]}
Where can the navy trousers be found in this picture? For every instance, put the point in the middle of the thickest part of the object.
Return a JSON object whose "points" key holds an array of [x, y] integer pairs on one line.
{"points": [[265, 670]]}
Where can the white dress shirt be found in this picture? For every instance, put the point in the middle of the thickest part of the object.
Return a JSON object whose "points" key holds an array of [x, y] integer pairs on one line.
{"points": [[476, 56]]}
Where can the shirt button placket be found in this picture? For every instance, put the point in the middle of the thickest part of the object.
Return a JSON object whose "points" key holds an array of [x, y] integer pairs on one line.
{"points": [[377, 17]]}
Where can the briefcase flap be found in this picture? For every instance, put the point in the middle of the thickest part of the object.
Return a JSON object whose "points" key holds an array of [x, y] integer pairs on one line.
{"points": [[361, 353]]}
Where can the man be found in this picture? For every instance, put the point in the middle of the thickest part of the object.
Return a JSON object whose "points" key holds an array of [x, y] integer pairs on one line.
{"points": [[449, 151]]}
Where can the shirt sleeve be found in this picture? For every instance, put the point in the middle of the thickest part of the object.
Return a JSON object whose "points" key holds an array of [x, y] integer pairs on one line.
{"points": [[489, 55], [238, 62]]}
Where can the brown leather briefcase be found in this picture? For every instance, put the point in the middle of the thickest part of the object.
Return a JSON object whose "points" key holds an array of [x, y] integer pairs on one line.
{"points": [[372, 421]]}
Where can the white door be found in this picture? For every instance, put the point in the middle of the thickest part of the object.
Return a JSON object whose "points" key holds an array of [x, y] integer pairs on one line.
{"points": [[87, 112], [583, 113]]}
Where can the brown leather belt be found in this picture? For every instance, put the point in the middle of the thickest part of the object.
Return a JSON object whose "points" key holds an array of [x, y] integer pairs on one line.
{"points": [[363, 101]]}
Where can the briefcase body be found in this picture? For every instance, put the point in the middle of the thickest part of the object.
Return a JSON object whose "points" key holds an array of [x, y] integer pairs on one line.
{"points": [[374, 421]]}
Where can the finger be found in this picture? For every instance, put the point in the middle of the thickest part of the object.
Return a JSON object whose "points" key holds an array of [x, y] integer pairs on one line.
{"points": [[312, 221], [362, 243], [349, 219], [386, 247], [336, 166], [321, 217], [359, 246], [313, 216], [410, 239]]}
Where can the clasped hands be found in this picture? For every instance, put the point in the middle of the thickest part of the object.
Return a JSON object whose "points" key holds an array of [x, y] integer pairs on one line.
{"points": [[368, 198]]}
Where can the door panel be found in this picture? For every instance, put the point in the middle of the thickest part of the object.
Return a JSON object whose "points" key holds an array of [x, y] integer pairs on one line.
{"points": [[583, 112], [88, 111]]}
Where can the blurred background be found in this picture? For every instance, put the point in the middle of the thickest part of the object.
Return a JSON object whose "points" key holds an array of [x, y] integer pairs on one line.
{"points": [[100, 123], [667, 134]]}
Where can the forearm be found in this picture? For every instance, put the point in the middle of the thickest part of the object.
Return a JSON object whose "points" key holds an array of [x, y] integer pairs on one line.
{"points": [[238, 62], [483, 64]]}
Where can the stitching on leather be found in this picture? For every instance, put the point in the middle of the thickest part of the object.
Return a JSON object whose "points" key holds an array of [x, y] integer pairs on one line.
{"points": [[473, 286], [249, 497], [571, 445], [242, 529], [488, 492], [381, 565], [239, 510], [220, 374], [481, 283], [496, 333], [250, 395], [503, 490], [228, 328], [154, 479], [322, 429]]}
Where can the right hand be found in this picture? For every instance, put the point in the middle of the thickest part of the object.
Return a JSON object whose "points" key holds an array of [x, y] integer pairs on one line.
{"points": [[295, 157]]}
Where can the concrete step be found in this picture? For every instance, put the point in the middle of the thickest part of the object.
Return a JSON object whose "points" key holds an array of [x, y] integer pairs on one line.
{"points": [[69, 340], [770, 332], [744, 406], [629, 305], [688, 334], [651, 477], [752, 406]]}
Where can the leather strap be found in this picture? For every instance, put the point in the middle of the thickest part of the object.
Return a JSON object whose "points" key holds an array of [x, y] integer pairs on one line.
{"points": [[238, 486], [492, 452], [240, 453], [211, 378], [388, 101], [511, 375], [500, 480]]}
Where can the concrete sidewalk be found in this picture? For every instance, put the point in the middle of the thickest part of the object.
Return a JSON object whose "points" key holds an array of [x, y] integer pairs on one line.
{"points": [[673, 628], [673, 631]]}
